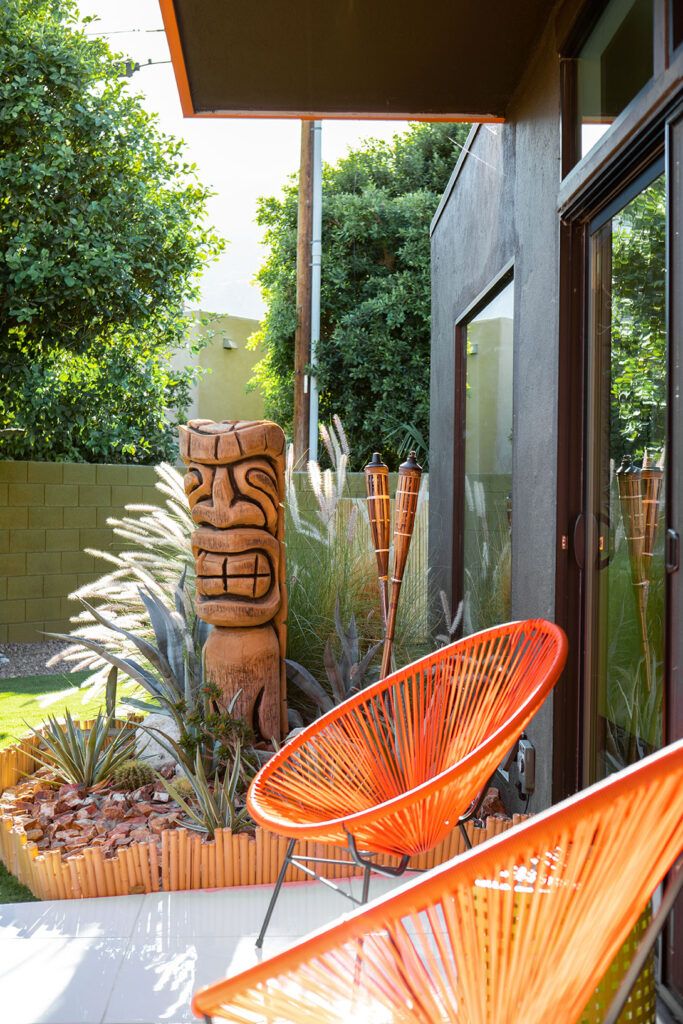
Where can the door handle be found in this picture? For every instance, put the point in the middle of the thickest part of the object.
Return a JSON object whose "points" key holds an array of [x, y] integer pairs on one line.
{"points": [[579, 540], [602, 553], [672, 554]]}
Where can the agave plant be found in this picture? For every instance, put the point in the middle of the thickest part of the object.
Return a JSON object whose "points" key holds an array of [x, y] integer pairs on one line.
{"points": [[175, 656], [174, 679], [85, 756], [214, 806], [346, 675]]}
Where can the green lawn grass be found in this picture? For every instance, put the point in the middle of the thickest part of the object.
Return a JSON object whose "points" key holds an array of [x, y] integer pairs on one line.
{"points": [[12, 891], [24, 700]]}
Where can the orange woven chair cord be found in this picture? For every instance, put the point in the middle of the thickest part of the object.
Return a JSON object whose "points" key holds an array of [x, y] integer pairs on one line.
{"points": [[521, 929], [397, 764]]}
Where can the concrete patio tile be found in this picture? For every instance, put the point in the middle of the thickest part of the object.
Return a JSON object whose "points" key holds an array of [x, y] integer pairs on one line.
{"points": [[113, 918], [157, 979], [59, 980], [235, 912], [138, 959]]}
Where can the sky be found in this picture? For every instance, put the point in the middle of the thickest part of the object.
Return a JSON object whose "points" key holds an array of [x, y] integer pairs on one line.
{"points": [[239, 159]]}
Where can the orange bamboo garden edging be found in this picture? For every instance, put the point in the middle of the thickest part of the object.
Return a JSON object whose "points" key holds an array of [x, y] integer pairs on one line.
{"points": [[185, 861]]}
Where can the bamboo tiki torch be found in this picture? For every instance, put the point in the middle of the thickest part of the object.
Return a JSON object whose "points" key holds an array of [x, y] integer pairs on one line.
{"points": [[631, 500], [379, 511], [409, 475], [652, 476]]}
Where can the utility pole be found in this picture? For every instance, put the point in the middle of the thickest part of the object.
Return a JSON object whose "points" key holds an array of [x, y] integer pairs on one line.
{"points": [[316, 281], [302, 337]]}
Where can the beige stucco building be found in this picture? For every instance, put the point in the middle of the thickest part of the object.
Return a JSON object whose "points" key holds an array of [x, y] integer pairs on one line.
{"points": [[222, 393]]}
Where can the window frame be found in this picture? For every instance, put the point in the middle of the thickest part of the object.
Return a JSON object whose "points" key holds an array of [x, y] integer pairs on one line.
{"points": [[502, 279], [570, 45]]}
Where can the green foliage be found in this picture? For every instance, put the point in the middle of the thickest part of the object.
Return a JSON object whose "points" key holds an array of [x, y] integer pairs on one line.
{"points": [[133, 774], [102, 237], [346, 674], [172, 674], [11, 889], [373, 357], [638, 324], [215, 805], [85, 756], [107, 405], [332, 575]]}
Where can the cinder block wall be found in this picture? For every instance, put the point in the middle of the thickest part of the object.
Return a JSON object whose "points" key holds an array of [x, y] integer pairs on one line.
{"points": [[50, 512]]}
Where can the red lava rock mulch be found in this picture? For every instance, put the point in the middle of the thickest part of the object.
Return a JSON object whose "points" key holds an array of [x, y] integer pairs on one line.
{"points": [[69, 817]]}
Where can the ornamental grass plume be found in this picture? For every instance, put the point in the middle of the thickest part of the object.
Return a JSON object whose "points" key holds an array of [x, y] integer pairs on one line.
{"points": [[331, 564], [158, 553]]}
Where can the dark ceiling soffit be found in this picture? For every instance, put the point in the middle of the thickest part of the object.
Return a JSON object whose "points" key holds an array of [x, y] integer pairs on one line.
{"points": [[345, 58]]}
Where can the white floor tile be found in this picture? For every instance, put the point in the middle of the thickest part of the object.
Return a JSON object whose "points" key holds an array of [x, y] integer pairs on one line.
{"points": [[57, 981], [157, 980], [139, 959], [112, 918]]}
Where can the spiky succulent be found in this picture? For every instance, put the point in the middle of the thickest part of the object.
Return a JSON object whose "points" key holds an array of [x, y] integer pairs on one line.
{"points": [[133, 774], [85, 756], [213, 805], [346, 675]]}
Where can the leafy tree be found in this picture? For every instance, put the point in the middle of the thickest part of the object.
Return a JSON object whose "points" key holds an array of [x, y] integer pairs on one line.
{"points": [[102, 239], [373, 357], [638, 324]]}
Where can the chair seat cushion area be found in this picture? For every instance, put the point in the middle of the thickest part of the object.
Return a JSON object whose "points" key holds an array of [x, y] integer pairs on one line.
{"points": [[397, 764]]}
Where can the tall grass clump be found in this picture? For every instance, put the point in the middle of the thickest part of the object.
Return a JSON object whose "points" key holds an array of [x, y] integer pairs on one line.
{"points": [[331, 564]]}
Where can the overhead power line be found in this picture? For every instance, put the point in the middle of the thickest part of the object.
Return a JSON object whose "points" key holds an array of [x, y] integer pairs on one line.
{"points": [[131, 66], [124, 31]]}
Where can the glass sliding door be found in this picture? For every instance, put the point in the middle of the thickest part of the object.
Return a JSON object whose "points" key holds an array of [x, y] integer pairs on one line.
{"points": [[626, 493], [486, 462]]}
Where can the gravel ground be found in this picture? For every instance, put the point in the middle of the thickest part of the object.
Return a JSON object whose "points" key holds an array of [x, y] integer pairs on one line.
{"points": [[31, 659]]}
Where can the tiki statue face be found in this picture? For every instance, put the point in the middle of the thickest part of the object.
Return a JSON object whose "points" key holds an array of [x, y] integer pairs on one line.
{"points": [[234, 492], [234, 483]]}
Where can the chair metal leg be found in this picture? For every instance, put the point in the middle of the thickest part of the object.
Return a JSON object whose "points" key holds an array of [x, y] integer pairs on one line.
{"points": [[366, 885], [276, 892], [367, 864], [463, 833]]}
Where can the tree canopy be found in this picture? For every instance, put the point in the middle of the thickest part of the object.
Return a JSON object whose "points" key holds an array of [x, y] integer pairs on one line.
{"points": [[373, 357], [102, 239], [638, 325]]}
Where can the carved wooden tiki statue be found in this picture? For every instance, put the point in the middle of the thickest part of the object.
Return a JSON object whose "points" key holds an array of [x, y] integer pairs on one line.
{"points": [[235, 485]]}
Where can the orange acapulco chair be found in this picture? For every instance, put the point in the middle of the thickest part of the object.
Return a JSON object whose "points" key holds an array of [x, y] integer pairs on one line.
{"points": [[394, 768], [521, 928]]}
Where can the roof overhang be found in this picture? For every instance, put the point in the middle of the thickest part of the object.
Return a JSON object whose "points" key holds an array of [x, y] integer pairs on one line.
{"points": [[450, 60]]}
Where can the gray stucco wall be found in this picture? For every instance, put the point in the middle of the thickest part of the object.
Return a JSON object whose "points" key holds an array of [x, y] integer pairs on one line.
{"points": [[502, 207]]}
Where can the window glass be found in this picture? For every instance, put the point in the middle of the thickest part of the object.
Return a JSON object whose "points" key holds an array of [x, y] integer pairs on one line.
{"points": [[629, 451], [488, 465], [677, 23], [613, 65]]}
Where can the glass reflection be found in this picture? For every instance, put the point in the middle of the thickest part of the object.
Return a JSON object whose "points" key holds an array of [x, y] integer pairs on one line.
{"points": [[631, 334], [614, 63], [488, 465]]}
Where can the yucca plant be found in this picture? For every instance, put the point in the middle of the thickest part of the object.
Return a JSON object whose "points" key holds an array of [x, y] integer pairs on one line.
{"points": [[83, 756], [173, 651], [346, 674], [214, 806], [173, 677]]}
